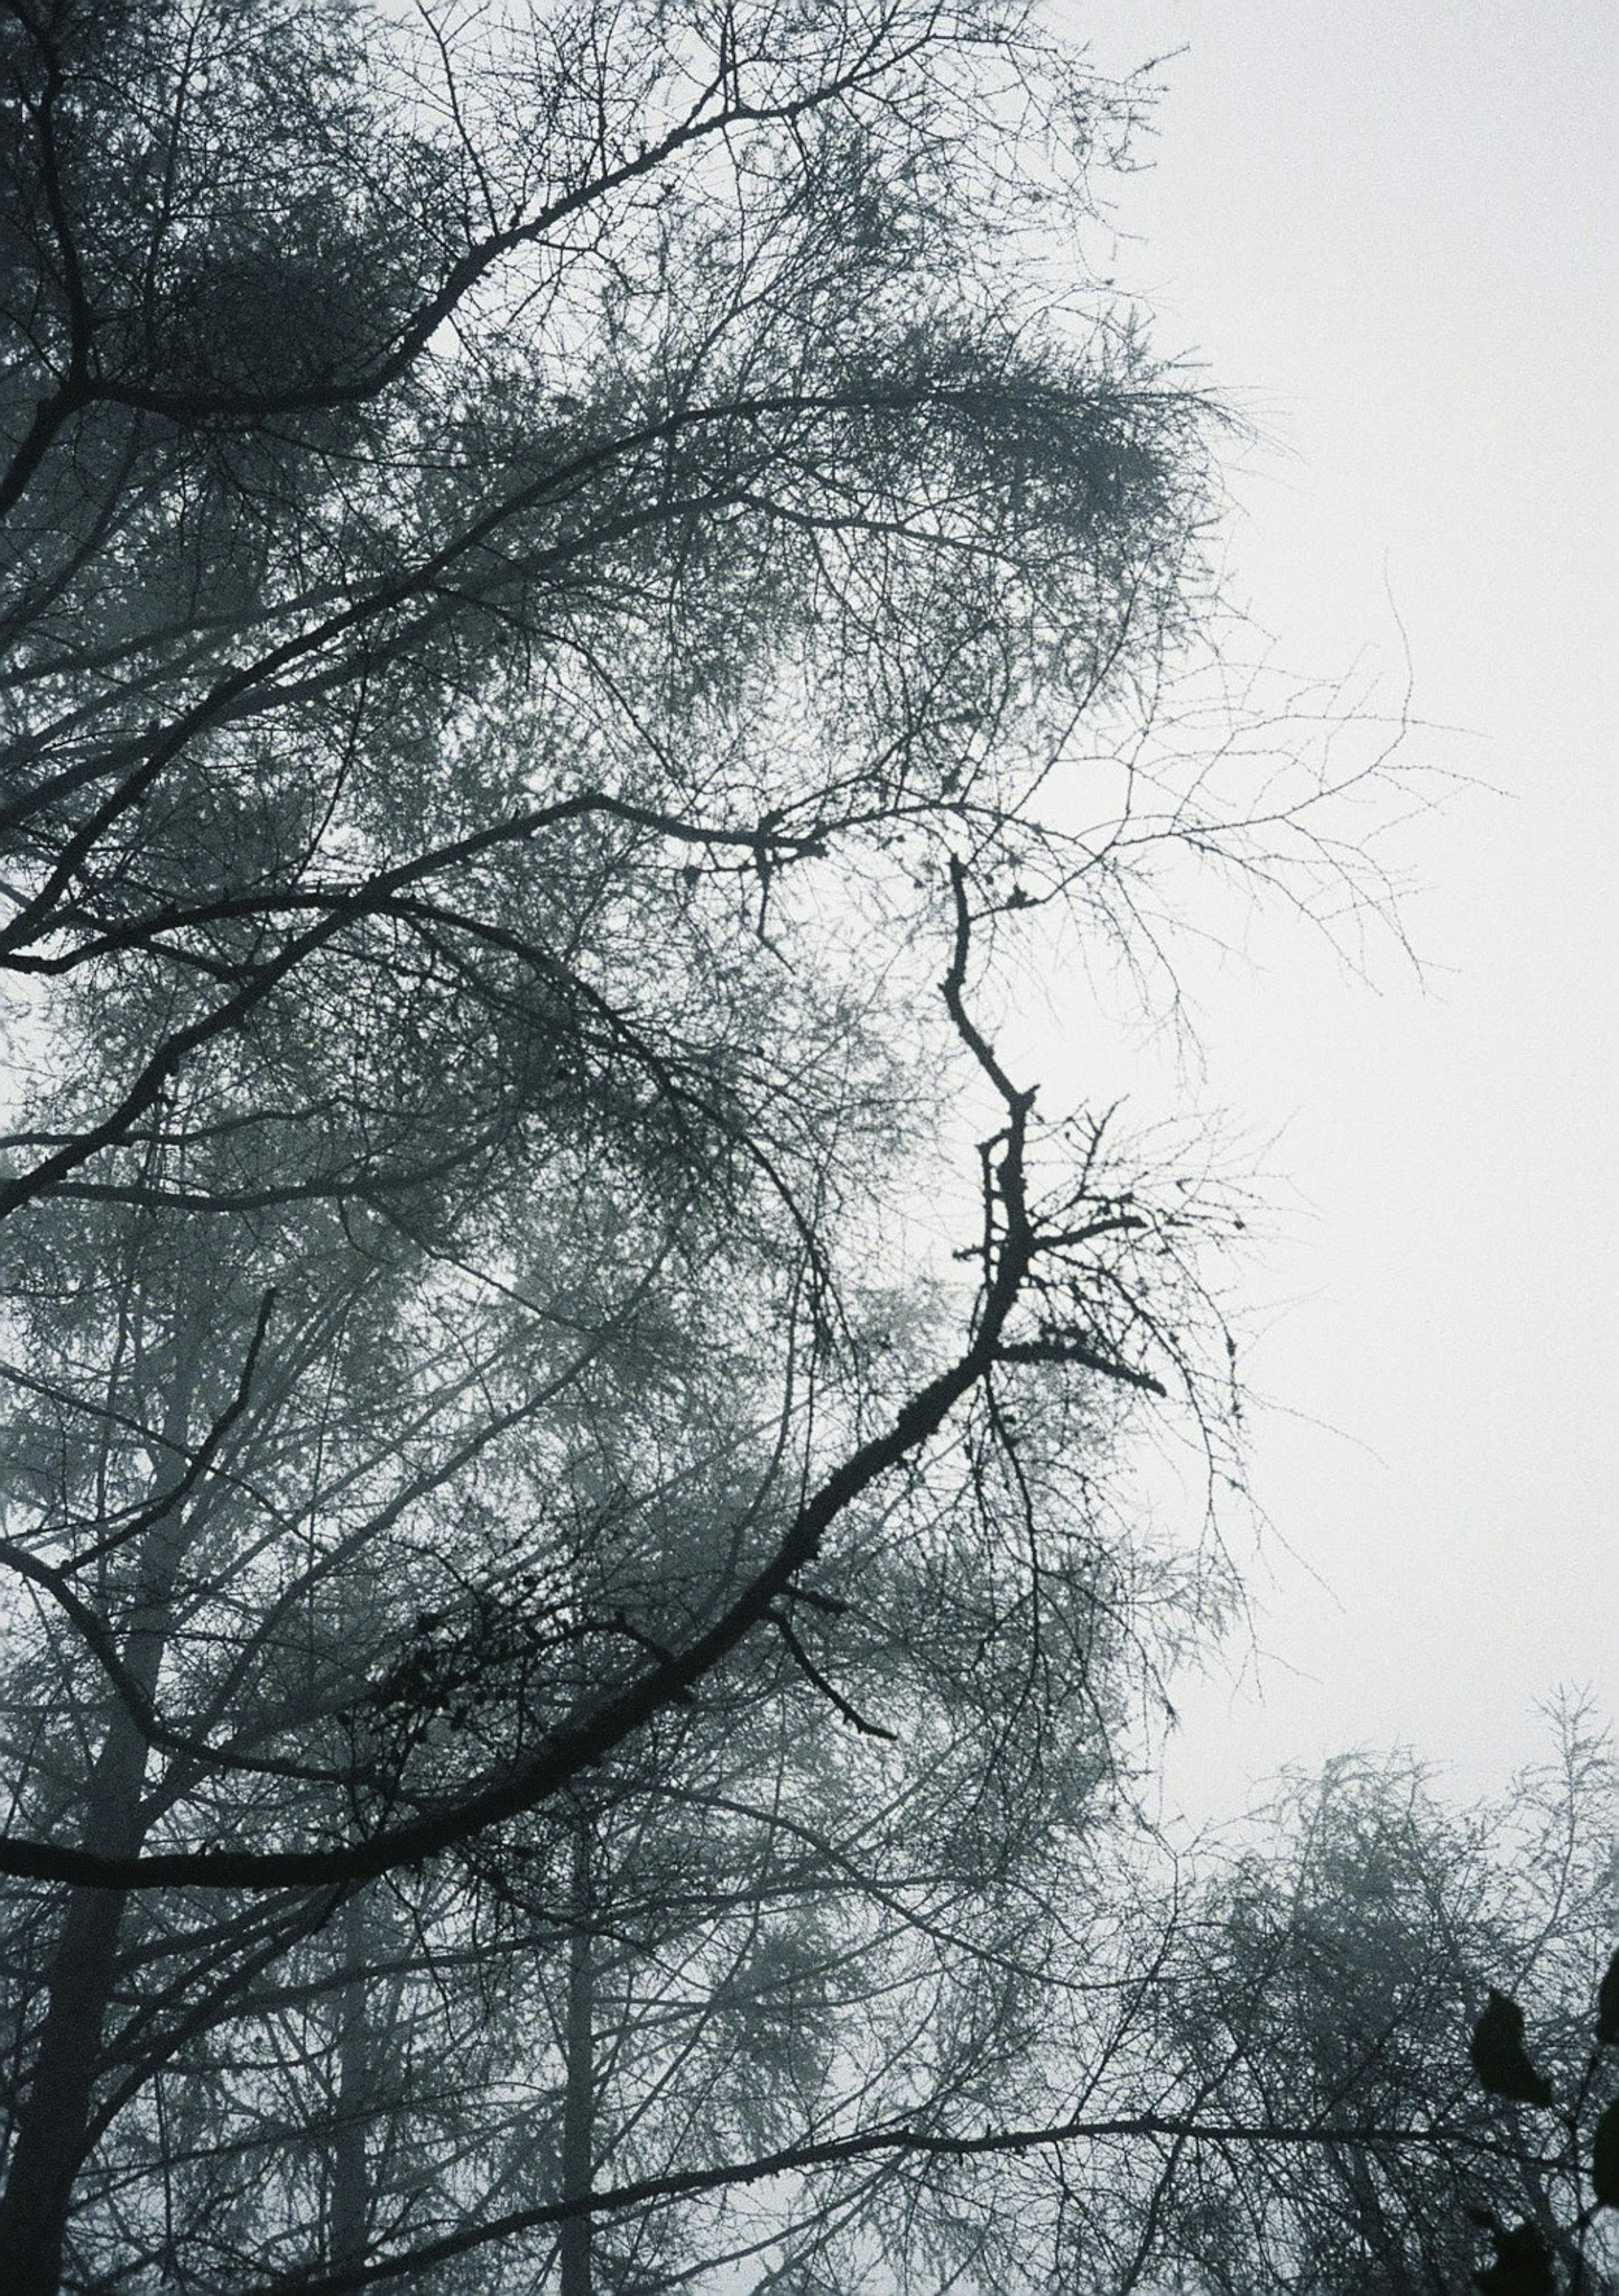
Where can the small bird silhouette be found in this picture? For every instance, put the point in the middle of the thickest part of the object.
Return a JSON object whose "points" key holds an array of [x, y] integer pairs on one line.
{"points": [[1523, 2262], [1499, 2058]]}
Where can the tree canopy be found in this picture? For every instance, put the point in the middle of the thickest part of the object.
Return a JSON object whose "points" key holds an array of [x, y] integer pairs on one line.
{"points": [[574, 1638]]}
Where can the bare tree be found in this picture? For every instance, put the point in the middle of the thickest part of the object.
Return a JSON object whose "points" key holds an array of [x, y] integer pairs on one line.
{"points": [[1327, 1975], [562, 565]]}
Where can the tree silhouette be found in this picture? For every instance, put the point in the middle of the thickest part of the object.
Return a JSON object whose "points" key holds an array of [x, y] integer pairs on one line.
{"points": [[564, 1659]]}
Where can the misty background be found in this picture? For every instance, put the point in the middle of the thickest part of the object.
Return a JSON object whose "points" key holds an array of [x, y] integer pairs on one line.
{"points": [[1384, 237]]}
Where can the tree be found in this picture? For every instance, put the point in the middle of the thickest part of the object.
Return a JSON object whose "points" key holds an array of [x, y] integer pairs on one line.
{"points": [[1337, 1970], [766, 1915], [551, 559]]}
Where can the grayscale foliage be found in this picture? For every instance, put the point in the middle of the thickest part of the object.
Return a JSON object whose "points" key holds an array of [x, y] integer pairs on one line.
{"points": [[578, 1650]]}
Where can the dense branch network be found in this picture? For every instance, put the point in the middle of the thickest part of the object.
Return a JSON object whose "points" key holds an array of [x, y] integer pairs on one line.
{"points": [[577, 1664]]}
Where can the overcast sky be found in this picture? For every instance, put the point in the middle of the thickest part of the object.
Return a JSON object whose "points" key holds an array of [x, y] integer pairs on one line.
{"points": [[1386, 233]]}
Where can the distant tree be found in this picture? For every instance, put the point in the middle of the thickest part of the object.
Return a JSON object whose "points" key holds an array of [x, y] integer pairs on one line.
{"points": [[1340, 1969], [564, 580]]}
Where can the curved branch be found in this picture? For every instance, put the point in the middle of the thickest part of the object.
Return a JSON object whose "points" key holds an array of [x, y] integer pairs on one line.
{"points": [[598, 1731], [897, 2141]]}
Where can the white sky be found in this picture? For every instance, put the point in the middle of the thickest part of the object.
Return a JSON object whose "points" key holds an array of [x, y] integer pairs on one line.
{"points": [[1386, 231]]}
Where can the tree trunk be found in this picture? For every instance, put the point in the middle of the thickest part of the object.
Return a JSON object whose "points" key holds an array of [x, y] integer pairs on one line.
{"points": [[350, 2174], [51, 2126], [579, 2057], [51, 2129]]}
